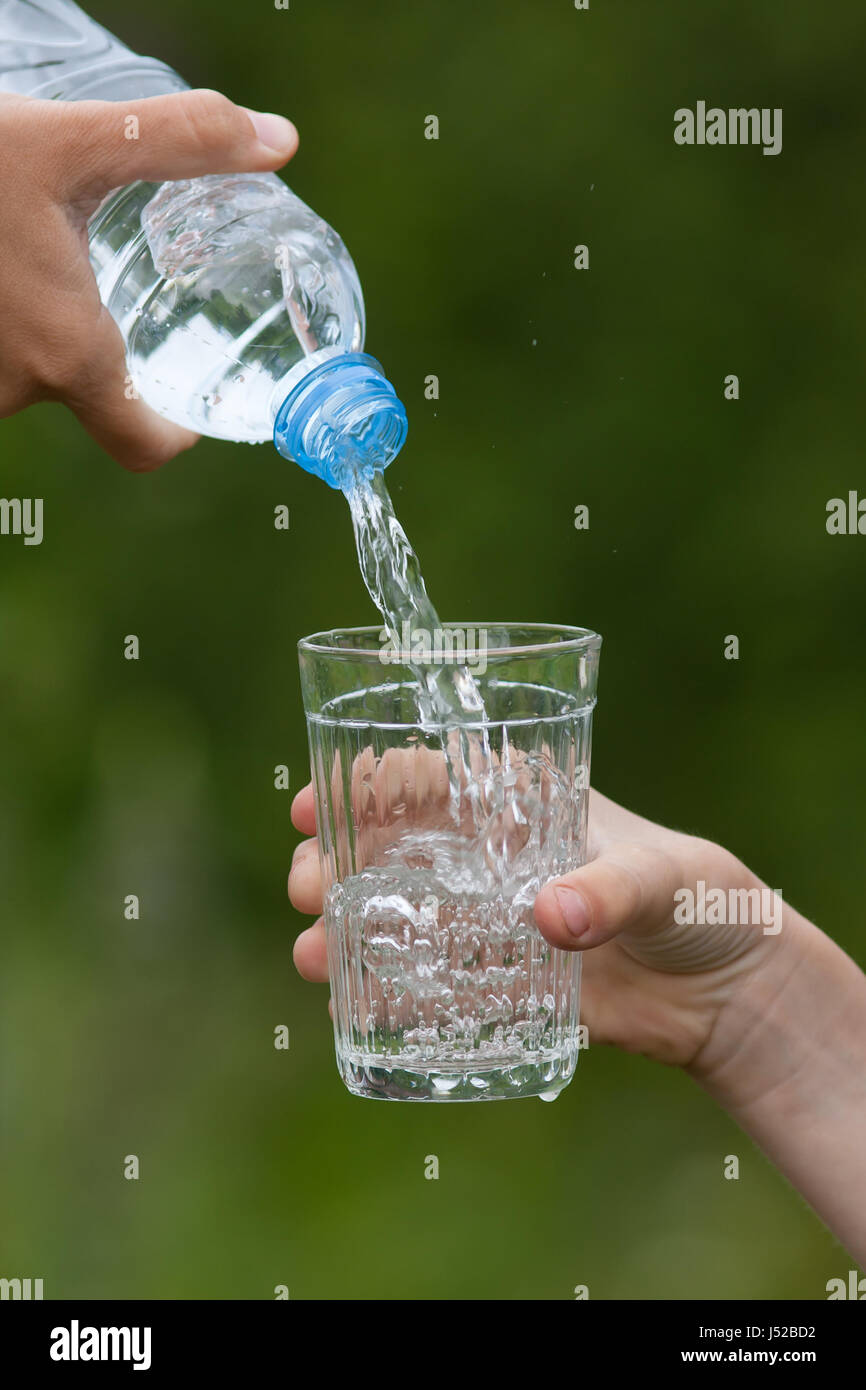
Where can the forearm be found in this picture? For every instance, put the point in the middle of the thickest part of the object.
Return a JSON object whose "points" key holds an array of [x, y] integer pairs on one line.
{"points": [[789, 1063]]}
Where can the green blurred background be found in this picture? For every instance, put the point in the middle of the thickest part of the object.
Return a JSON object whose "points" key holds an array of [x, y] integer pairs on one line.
{"points": [[558, 387]]}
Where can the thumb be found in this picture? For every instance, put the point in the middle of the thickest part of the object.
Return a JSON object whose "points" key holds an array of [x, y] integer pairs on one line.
{"points": [[101, 145], [628, 888]]}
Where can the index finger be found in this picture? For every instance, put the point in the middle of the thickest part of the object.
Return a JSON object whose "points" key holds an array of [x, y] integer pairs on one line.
{"points": [[304, 811]]}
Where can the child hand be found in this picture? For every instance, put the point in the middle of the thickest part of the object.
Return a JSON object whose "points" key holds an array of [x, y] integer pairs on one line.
{"points": [[650, 985], [769, 1017]]}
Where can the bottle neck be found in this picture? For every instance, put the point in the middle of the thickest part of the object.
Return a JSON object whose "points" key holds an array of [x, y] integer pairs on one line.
{"points": [[342, 419]]}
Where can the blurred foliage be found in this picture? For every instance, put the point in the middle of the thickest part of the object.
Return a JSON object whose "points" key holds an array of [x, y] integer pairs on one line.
{"points": [[558, 387]]}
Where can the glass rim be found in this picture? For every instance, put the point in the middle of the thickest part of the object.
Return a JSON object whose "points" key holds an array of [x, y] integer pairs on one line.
{"points": [[569, 639]]}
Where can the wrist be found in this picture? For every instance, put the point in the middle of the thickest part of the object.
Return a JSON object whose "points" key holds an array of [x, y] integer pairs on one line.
{"points": [[787, 1059], [784, 1016]]}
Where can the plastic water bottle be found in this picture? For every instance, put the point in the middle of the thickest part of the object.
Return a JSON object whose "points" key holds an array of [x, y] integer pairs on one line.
{"points": [[240, 308]]}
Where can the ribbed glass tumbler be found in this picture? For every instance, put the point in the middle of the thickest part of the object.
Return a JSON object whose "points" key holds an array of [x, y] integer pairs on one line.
{"points": [[435, 837]]}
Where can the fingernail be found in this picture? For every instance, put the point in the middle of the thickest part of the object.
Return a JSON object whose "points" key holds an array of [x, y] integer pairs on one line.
{"points": [[274, 131], [574, 909]]}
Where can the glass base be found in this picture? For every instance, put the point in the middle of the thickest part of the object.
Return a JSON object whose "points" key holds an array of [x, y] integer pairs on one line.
{"points": [[380, 1078]]}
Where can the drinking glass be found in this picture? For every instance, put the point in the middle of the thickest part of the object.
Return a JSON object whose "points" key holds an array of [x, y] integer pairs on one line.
{"points": [[436, 832]]}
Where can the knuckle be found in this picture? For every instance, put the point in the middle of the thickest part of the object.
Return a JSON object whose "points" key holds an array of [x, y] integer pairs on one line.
{"points": [[629, 892], [213, 120], [300, 853]]}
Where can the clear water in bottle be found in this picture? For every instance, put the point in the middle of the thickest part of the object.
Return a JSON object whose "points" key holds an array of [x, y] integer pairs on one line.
{"points": [[227, 290]]}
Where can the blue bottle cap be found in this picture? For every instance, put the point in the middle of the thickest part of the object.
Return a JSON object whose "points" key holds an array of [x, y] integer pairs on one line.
{"points": [[342, 419]]}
